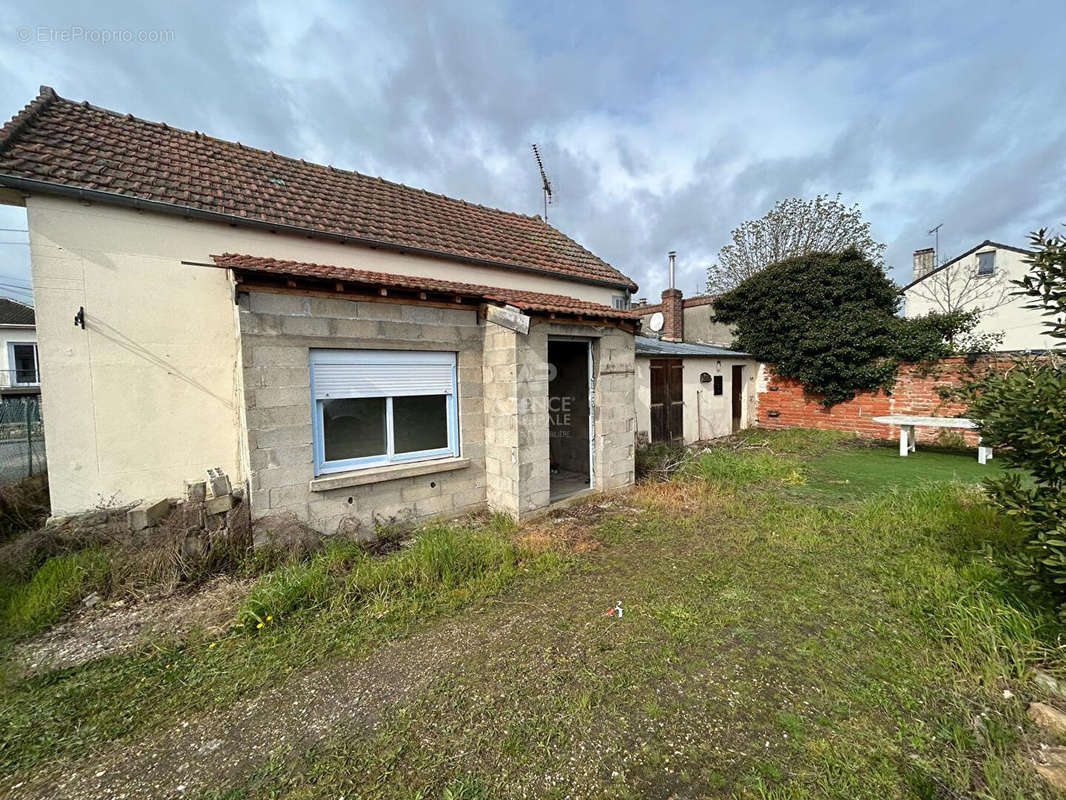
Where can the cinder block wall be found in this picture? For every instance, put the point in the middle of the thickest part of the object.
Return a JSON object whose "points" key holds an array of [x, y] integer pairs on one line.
{"points": [[277, 333]]}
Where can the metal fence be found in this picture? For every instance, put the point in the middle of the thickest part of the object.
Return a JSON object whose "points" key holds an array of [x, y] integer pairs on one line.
{"points": [[21, 437]]}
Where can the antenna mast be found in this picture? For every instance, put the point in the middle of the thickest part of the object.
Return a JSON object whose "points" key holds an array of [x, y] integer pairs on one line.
{"points": [[546, 185], [936, 247]]}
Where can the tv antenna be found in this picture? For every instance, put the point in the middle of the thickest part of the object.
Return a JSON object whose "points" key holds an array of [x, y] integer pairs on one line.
{"points": [[546, 185], [936, 247]]}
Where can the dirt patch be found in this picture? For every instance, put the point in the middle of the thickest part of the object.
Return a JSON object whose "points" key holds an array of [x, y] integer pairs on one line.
{"points": [[209, 750], [107, 629]]}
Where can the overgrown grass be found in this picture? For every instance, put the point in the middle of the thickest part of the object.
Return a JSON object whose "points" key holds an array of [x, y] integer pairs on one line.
{"points": [[338, 603], [780, 640], [437, 562], [59, 583], [741, 468]]}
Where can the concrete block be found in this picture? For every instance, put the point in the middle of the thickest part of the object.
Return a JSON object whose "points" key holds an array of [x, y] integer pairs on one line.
{"points": [[421, 490], [334, 308], [147, 514], [192, 515], [400, 331], [423, 314], [288, 495], [278, 356], [195, 491], [217, 482], [283, 435], [218, 505], [284, 476], [274, 396], [379, 311], [359, 329], [305, 326], [271, 303], [465, 317]]}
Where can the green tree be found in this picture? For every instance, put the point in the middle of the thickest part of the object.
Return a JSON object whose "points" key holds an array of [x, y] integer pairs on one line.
{"points": [[793, 227], [829, 320], [1023, 411]]}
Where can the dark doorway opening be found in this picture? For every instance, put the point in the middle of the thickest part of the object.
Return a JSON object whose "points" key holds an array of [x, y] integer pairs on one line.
{"points": [[569, 393], [738, 397], [667, 400]]}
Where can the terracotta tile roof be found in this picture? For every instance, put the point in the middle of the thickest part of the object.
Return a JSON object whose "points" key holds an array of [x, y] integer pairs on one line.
{"points": [[527, 301], [76, 146], [12, 312]]}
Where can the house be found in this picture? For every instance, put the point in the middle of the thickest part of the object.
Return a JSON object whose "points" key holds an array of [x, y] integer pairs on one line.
{"points": [[979, 279], [19, 373], [357, 352], [690, 386]]}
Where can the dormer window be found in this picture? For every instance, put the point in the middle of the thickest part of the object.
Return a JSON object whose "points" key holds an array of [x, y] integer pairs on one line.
{"points": [[986, 263]]}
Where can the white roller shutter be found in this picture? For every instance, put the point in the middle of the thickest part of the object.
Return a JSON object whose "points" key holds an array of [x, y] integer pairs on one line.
{"points": [[381, 373]]}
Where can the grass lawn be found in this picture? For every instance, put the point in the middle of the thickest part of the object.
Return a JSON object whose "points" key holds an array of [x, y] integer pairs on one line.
{"points": [[803, 617]]}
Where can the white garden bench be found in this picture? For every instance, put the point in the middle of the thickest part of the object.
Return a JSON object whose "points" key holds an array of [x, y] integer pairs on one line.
{"points": [[907, 423]]}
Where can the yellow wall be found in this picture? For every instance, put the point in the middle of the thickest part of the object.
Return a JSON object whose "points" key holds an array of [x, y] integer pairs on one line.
{"points": [[147, 395]]}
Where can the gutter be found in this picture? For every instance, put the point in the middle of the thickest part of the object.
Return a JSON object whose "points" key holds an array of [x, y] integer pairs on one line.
{"points": [[126, 201]]}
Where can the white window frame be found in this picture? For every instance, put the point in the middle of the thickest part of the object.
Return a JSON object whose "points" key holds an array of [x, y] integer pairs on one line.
{"points": [[366, 357], [992, 271], [13, 370]]}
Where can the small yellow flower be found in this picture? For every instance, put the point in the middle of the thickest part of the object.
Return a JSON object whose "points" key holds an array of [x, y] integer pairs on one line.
{"points": [[260, 625], [212, 644], [269, 618]]}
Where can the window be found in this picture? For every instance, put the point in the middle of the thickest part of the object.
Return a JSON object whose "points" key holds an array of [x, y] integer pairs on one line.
{"points": [[620, 301], [374, 407], [22, 361], [717, 385], [986, 263]]}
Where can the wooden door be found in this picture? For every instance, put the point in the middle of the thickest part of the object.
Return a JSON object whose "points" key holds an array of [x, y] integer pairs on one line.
{"points": [[737, 396], [667, 400]]}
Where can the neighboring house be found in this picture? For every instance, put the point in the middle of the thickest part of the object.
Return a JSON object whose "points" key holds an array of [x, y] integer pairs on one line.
{"points": [[356, 351], [19, 372], [979, 279], [689, 385]]}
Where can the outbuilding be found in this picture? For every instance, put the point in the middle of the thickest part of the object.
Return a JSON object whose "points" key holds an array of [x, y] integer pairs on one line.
{"points": [[354, 351]]}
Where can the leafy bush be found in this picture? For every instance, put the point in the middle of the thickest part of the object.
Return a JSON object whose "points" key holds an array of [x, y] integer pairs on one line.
{"points": [[829, 321], [1023, 411]]}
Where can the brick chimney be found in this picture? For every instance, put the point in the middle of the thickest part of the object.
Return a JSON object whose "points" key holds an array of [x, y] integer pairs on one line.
{"points": [[673, 308], [673, 316], [924, 262]]}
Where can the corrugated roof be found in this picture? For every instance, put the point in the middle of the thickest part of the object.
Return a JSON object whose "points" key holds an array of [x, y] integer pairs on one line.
{"points": [[61, 145], [649, 346], [527, 301]]}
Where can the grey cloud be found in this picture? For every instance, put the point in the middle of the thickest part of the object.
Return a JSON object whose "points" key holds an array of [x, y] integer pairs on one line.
{"points": [[662, 129]]}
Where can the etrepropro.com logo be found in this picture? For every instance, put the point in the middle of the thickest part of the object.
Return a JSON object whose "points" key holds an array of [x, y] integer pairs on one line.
{"points": [[72, 34]]}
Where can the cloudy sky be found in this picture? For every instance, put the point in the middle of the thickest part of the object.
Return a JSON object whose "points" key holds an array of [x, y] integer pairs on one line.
{"points": [[662, 126]]}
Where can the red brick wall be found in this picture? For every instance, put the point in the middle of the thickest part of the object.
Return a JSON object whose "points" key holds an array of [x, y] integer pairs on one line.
{"points": [[915, 392]]}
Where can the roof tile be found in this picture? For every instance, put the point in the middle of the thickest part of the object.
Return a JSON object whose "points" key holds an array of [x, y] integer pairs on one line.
{"points": [[80, 146], [529, 301]]}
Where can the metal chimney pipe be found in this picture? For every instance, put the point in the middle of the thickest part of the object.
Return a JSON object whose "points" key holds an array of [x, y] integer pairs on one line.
{"points": [[672, 255]]}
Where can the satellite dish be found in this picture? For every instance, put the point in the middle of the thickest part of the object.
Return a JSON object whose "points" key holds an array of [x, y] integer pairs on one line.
{"points": [[656, 321]]}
